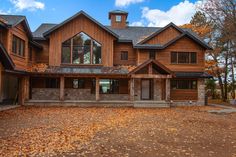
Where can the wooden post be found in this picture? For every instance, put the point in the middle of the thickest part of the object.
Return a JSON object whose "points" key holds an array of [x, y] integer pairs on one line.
{"points": [[132, 89], [167, 89], [21, 91], [1, 79], [97, 89], [62, 87]]}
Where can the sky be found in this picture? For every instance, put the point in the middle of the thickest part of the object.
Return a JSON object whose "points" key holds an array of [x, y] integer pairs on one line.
{"points": [[141, 12]]}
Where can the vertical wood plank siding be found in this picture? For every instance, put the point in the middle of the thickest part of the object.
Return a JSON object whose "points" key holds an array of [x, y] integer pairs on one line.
{"points": [[80, 24]]}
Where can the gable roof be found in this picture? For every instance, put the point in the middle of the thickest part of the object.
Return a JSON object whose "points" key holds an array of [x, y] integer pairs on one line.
{"points": [[151, 61], [38, 33], [161, 30], [14, 20], [6, 59], [73, 17]]}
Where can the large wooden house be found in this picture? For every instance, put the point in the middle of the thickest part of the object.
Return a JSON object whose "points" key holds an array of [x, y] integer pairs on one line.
{"points": [[82, 62]]}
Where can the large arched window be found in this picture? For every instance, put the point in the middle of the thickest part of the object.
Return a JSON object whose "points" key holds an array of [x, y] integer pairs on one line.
{"points": [[81, 49]]}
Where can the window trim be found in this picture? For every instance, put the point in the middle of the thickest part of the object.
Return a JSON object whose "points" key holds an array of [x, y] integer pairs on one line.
{"points": [[177, 63], [118, 21], [18, 46], [71, 52], [121, 55], [191, 89]]}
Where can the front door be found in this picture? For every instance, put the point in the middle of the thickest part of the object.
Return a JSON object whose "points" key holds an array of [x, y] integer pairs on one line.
{"points": [[146, 90]]}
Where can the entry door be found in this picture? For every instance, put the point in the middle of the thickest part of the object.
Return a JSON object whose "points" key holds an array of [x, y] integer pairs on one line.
{"points": [[146, 92]]}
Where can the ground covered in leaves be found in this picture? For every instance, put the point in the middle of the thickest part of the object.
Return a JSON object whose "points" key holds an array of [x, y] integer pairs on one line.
{"points": [[32, 131]]}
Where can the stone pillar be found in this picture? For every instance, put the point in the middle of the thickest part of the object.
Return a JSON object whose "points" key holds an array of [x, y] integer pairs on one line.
{"points": [[97, 89], [201, 91], [132, 89], [62, 88], [167, 89]]}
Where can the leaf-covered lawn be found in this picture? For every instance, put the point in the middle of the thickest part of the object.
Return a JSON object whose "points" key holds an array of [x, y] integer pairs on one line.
{"points": [[75, 131]]}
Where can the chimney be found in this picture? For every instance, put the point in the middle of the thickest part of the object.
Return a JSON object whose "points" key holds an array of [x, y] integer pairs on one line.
{"points": [[118, 19]]}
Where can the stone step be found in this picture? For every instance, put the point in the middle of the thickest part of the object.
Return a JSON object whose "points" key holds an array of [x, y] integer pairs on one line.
{"points": [[151, 104]]}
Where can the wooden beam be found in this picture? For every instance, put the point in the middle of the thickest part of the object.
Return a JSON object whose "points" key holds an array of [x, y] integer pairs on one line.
{"points": [[150, 68], [132, 89], [97, 89], [62, 87], [150, 76]]}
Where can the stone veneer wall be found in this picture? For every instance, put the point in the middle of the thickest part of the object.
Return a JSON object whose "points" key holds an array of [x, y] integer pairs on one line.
{"points": [[79, 94], [201, 96], [45, 93], [121, 97]]}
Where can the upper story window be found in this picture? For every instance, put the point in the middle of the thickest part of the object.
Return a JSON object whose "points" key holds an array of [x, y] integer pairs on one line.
{"points": [[81, 49], [124, 55], [183, 57], [18, 46], [183, 84], [152, 55], [118, 18]]}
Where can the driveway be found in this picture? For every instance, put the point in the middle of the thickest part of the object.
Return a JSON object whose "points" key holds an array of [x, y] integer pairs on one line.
{"points": [[68, 131]]}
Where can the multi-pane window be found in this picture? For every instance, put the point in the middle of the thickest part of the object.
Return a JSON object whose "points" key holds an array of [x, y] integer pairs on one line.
{"points": [[152, 55], [52, 83], [78, 83], [124, 55], [183, 57], [109, 86], [184, 84], [81, 49], [18, 46], [118, 18]]}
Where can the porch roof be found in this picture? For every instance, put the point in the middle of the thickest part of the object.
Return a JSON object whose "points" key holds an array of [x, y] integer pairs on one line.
{"points": [[192, 75], [84, 70], [5, 59]]}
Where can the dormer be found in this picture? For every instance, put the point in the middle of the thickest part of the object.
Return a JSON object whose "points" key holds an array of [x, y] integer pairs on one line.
{"points": [[118, 19]]}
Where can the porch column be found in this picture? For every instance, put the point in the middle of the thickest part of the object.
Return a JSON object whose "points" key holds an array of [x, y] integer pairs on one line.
{"points": [[62, 87], [21, 91], [132, 89], [1, 78], [167, 89], [97, 89]]}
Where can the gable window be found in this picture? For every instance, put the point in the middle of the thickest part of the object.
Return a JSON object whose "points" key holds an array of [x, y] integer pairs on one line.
{"points": [[81, 49], [183, 57], [18, 46], [118, 18], [124, 55], [184, 84], [152, 55]]}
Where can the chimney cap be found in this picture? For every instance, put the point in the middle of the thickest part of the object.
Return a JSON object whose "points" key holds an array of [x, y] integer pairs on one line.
{"points": [[118, 12]]}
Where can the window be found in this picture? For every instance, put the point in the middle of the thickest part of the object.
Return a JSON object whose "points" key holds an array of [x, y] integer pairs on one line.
{"points": [[52, 83], [124, 55], [109, 86], [183, 57], [78, 83], [118, 18], [152, 55], [81, 49], [18, 46], [183, 84]]}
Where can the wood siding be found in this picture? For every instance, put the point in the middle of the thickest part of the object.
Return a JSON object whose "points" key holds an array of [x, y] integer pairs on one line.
{"points": [[183, 94], [80, 24], [183, 45], [118, 47], [119, 25], [21, 62], [43, 55], [165, 36]]}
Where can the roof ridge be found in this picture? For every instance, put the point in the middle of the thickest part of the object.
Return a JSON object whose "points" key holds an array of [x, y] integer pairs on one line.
{"points": [[11, 15]]}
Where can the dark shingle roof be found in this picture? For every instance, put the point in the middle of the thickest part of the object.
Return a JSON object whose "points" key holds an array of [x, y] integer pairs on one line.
{"points": [[86, 70], [38, 33], [192, 75], [13, 20], [133, 33], [5, 59]]}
